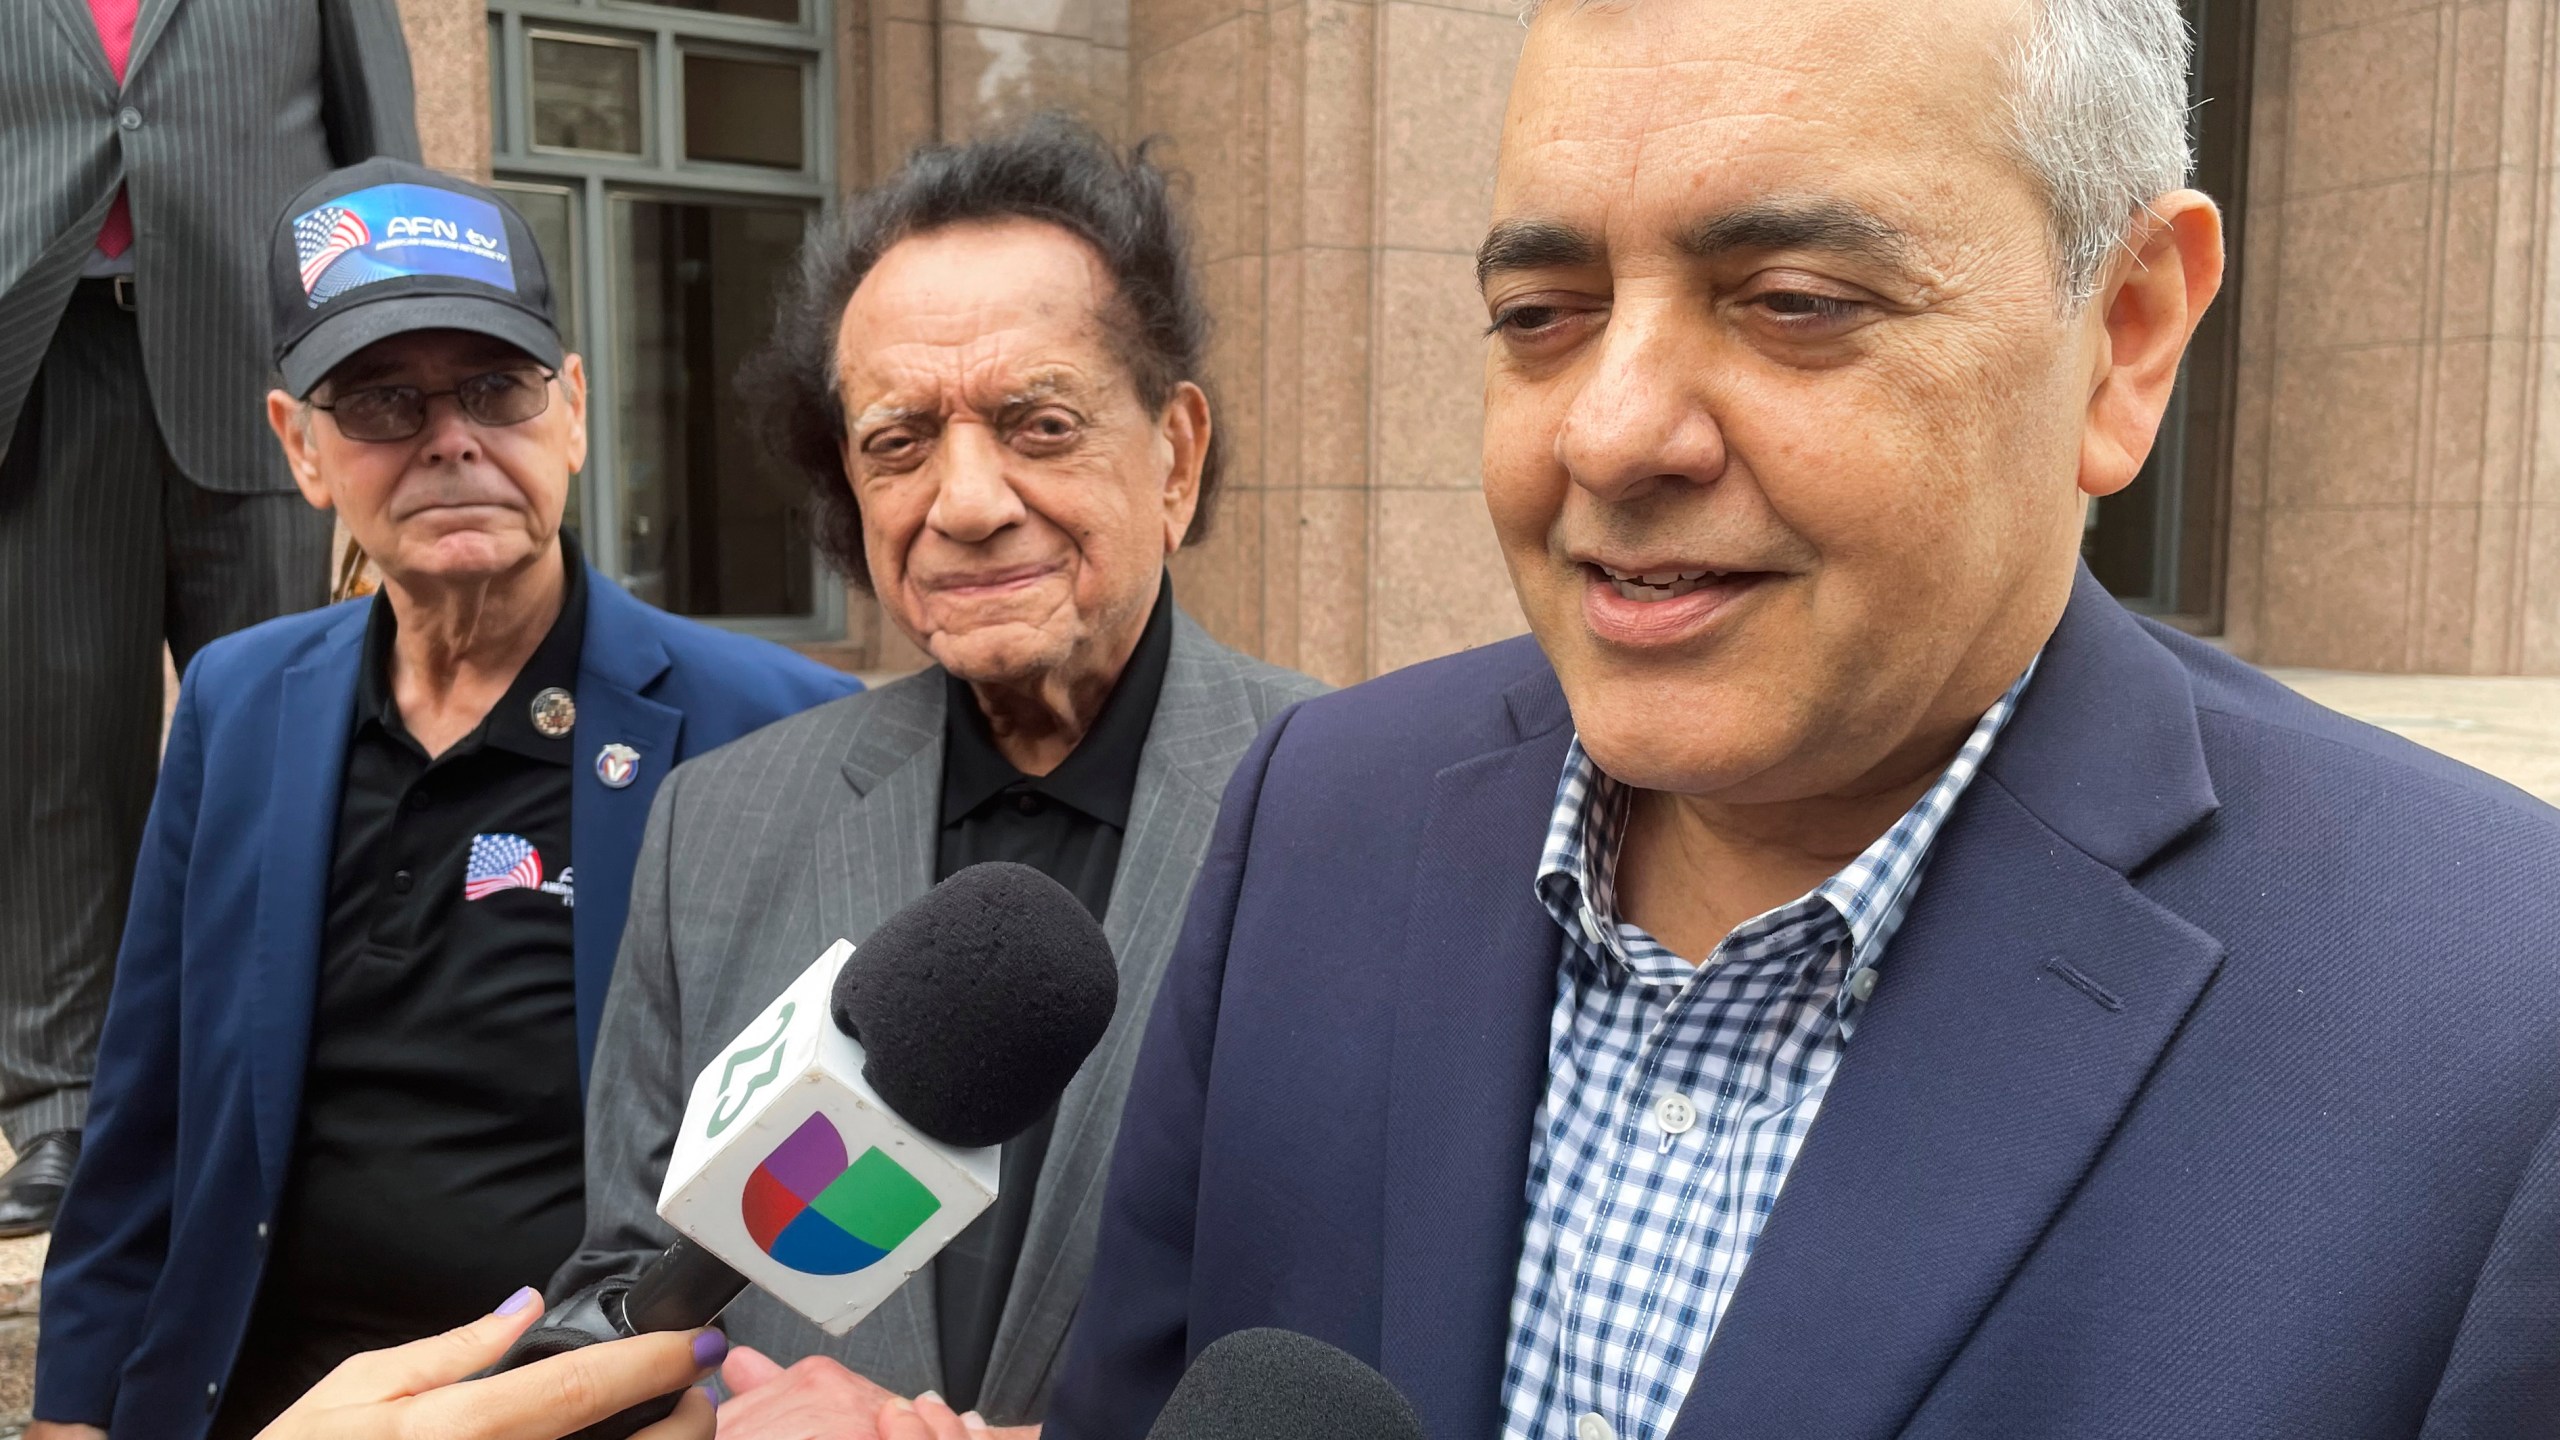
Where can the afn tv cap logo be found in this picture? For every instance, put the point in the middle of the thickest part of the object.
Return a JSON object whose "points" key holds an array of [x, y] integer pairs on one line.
{"points": [[811, 1210], [396, 232]]}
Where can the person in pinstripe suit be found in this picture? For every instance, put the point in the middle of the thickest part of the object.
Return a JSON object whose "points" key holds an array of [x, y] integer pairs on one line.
{"points": [[145, 145], [1006, 448]]}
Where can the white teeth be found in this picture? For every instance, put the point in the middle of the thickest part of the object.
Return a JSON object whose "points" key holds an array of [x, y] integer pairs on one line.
{"points": [[1657, 584], [1639, 590]]}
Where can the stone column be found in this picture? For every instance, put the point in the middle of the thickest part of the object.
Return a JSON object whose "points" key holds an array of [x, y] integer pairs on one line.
{"points": [[449, 64], [1341, 161], [2396, 478]]}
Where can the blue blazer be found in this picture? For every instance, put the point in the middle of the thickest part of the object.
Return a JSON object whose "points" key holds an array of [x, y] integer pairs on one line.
{"points": [[156, 1256], [2208, 1089]]}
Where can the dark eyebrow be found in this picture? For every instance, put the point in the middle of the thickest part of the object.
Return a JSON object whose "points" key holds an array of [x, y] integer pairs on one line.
{"points": [[1822, 224], [1532, 245]]}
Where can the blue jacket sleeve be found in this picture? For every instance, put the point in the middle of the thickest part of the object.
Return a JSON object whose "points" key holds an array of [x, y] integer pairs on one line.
{"points": [[112, 1235], [1131, 1338]]}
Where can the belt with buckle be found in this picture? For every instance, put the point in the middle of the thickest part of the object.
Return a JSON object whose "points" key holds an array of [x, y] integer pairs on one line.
{"points": [[115, 288]]}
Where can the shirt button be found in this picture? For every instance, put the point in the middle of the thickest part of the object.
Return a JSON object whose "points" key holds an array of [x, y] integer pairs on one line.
{"points": [[129, 118], [262, 1229], [1592, 1427], [1862, 983], [401, 880], [1028, 804], [1675, 1114]]}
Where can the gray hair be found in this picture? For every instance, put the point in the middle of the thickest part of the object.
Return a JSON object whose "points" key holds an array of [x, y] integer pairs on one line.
{"points": [[2098, 115], [2098, 110]]}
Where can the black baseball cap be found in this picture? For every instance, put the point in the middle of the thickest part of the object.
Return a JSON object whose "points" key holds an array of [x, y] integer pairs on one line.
{"points": [[387, 247]]}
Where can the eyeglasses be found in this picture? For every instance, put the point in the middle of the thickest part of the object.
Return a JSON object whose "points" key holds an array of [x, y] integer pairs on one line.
{"points": [[399, 412]]}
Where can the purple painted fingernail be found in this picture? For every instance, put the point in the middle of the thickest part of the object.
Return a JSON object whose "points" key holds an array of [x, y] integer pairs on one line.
{"points": [[710, 1392], [709, 1347], [515, 1303]]}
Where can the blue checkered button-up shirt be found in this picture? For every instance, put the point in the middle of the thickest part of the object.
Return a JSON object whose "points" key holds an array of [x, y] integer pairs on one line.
{"points": [[1677, 1098]]}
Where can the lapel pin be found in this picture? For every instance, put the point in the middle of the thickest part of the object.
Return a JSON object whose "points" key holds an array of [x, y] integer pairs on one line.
{"points": [[555, 712], [617, 765]]}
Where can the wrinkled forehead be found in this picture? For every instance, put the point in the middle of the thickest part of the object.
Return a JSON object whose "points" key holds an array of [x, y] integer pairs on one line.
{"points": [[1633, 112]]}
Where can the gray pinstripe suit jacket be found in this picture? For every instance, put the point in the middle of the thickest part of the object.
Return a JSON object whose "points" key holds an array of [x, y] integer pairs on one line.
{"points": [[762, 853], [238, 104]]}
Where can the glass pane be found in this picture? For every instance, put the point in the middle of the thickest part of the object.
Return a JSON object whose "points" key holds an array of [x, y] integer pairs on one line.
{"points": [[744, 111], [586, 94], [786, 11], [551, 212], [709, 524]]}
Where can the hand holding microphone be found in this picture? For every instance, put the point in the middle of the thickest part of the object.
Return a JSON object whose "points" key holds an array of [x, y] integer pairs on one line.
{"points": [[412, 1390], [827, 1162]]}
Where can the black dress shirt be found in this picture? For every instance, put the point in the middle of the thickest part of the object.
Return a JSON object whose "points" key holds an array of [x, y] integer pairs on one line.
{"points": [[438, 1161], [1068, 825]]}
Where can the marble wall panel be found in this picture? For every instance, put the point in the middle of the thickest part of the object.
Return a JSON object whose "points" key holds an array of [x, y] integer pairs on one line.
{"points": [[449, 68], [1440, 585]]}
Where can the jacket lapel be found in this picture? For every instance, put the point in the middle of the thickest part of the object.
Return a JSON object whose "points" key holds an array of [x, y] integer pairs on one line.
{"points": [[879, 854], [316, 707], [620, 661], [80, 32], [147, 25], [1203, 721], [1477, 969], [875, 858], [2019, 1011]]}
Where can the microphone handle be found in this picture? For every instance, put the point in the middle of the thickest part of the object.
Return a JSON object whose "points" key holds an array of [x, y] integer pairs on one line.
{"points": [[684, 1288]]}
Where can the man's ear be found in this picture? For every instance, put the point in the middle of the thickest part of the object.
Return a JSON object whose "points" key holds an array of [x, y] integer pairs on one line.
{"points": [[1184, 430], [291, 420], [2146, 308]]}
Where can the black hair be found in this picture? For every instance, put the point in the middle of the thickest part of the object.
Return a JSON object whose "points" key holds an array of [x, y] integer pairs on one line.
{"points": [[1050, 169]]}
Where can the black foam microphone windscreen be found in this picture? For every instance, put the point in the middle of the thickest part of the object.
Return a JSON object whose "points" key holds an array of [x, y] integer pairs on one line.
{"points": [[1280, 1385], [975, 1005]]}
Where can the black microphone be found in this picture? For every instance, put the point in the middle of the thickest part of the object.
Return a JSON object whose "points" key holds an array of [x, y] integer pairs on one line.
{"points": [[969, 1011], [1280, 1385]]}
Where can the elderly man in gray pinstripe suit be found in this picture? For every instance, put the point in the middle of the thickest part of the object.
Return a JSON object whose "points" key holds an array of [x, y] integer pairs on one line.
{"points": [[145, 145], [990, 374]]}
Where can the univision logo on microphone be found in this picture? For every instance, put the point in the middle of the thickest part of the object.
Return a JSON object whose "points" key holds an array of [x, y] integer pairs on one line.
{"points": [[810, 1209], [790, 1168]]}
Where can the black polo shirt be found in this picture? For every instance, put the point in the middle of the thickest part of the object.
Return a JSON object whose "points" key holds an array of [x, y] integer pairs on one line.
{"points": [[438, 1164], [1068, 825]]}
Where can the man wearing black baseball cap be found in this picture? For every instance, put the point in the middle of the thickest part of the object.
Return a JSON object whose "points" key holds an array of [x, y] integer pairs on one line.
{"points": [[339, 1096]]}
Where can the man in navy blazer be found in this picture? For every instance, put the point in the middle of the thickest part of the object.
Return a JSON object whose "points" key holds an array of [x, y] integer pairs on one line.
{"points": [[1844, 976], [338, 1101]]}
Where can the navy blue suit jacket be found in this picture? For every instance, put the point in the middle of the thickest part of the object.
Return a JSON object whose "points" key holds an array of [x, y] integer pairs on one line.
{"points": [[2207, 1091], [156, 1256]]}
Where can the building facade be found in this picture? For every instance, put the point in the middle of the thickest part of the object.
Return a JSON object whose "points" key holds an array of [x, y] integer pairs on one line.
{"points": [[2361, 471]]}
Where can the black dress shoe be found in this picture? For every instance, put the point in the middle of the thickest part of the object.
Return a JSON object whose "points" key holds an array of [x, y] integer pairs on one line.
{"points": [[32, 1189]]}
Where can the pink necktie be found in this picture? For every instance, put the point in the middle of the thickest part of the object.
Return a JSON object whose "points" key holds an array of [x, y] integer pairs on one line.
{"points": [[115, 30]]}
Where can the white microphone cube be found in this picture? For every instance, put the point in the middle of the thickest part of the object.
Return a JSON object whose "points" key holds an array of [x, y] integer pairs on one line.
{"points": [[791, 1169]]}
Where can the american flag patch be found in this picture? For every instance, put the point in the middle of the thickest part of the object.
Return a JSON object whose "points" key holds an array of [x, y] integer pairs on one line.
{"points": [[323, 235], [501, 862]]}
